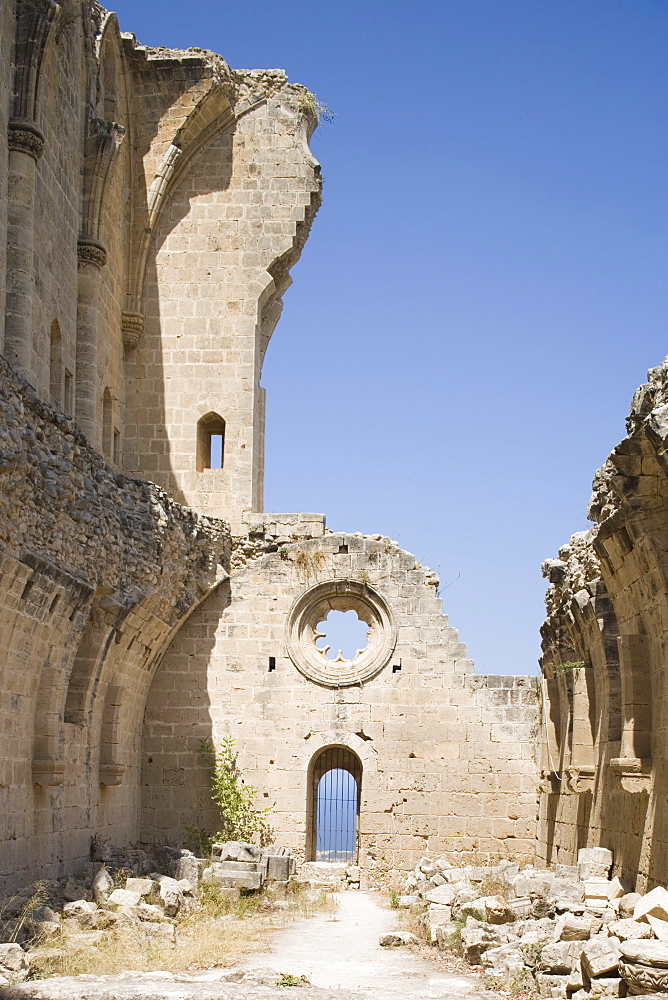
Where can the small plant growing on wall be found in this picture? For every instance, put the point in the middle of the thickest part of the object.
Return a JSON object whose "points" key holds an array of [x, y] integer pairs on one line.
{"points": [[569, 666], [241, 819]]}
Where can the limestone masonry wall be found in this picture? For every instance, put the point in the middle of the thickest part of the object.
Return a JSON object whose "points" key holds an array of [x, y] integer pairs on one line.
{"points": [[152, 203], [605, 687], [447, 756], [97, 573]]}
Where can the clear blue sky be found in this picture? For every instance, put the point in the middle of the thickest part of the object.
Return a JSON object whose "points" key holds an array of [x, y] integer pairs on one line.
{"points": [[485, 285]]}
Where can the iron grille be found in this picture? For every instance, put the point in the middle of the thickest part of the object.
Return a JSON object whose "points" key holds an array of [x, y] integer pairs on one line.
{"points": [[337, 777]]}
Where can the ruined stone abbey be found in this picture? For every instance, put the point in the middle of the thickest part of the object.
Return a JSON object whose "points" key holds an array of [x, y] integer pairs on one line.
{"points": [[152, 203]]}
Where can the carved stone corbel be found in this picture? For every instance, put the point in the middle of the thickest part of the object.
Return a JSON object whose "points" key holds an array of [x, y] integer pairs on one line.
{"points": [[635, 774], [111, 774], [132, 326], [550, 781], [580, 778]]}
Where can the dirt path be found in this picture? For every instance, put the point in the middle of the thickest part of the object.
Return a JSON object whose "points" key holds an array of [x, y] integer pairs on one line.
{"points": [[341, 951]]}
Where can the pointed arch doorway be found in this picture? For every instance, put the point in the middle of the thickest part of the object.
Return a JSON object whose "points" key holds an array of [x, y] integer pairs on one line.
{"points": [[334, 805]]}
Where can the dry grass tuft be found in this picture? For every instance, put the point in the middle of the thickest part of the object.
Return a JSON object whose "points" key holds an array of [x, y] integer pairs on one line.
{"points": [[217, 934]]}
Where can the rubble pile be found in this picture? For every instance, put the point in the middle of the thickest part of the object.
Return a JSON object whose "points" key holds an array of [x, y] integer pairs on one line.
{"points": [[121, 891], [576, 931]]}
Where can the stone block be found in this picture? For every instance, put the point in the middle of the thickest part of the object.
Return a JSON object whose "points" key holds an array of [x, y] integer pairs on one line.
{"points": [[278, 867], [644, 967], [234, 850], [505, 961], [444, 894], [188, 867], [627, 904], [596, 892], [654, 902], [80, 907], [551, 986], [476, 940], [13, 958], [629, 929], [559, 959], [571, 928], [566, 894], [594, 862], [600, 955], [607, 987], [240, 866], [659, 927], [520, 907], [231, 880], [144, 886], [124, 897], [396, 939]]}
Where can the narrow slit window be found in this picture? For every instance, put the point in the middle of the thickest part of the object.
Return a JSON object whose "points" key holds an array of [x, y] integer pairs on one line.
{"points": [[272, 663], [210, 443], [117, 446], [69, 393], [107, 409], [56, 365]]}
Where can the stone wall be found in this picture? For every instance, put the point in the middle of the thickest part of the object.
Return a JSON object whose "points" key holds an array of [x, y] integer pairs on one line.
{"points": [[98, 572], [604, 764], [158, 201], [447, 756], [232, 225], [7, 21], [134, 183], [152, 203]]}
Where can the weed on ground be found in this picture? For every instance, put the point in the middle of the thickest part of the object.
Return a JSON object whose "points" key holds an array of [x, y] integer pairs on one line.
{"points": [[218, 933]]}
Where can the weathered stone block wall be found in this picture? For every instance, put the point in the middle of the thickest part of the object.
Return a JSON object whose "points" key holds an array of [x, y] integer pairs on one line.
{"points": [[61, 119], [97, 573], [605, 691], [447, 756], [7, 20], [112, 154], [233, 225], [149, 188]]}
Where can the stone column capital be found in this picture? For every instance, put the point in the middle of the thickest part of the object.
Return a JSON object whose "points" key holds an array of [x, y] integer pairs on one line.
{"points": [[25, 137], [91, 251]]}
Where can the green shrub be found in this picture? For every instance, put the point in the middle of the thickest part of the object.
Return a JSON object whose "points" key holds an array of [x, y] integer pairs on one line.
{"points": [[241, 820]]}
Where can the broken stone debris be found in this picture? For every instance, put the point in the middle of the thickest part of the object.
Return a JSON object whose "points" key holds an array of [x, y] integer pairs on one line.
{"points": [[94, 901], [578, 932]]}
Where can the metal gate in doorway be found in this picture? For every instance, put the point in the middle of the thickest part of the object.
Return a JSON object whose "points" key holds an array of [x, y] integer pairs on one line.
{"points": [[336, 783]]}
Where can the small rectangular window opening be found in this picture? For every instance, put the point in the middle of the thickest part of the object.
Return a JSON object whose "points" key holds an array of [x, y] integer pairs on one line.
{"points": [[272, 663], [343, 549], [215, 451], [396, 668], [210, 443]]}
